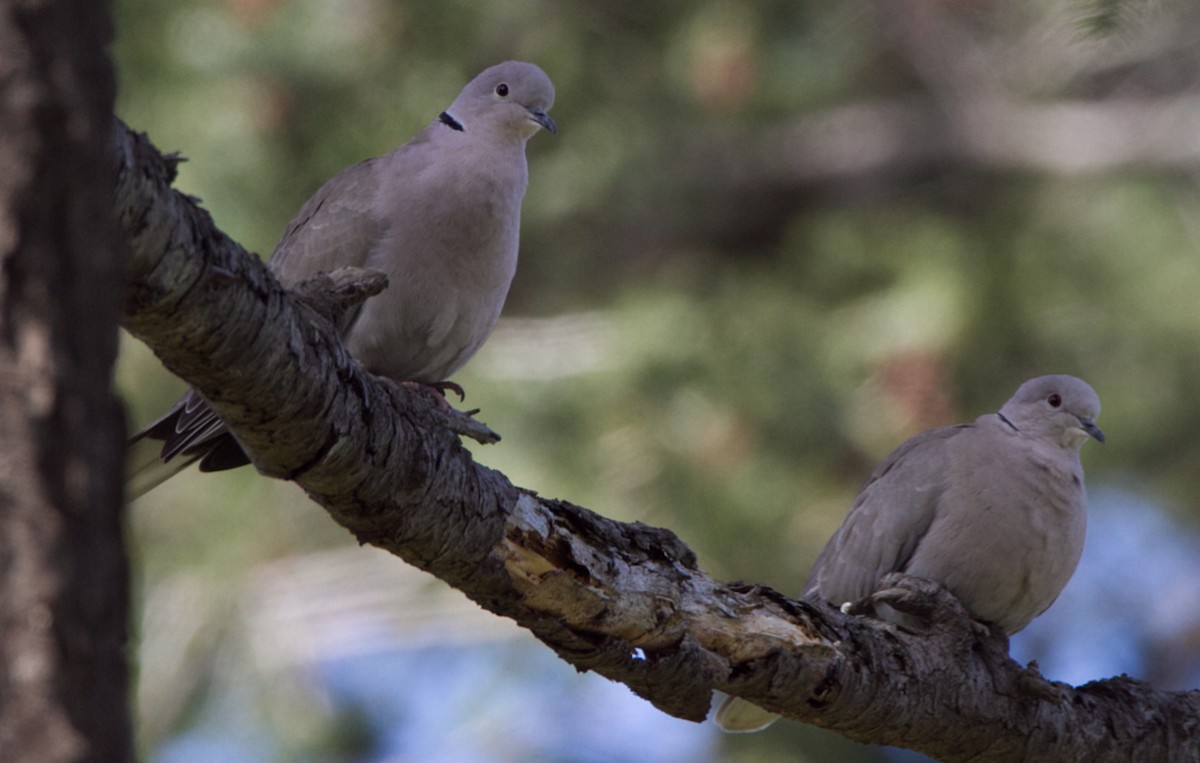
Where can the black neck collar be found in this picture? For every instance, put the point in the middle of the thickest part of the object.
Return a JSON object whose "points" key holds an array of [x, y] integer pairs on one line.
{"points": [[1006, 421], [451, 122]]}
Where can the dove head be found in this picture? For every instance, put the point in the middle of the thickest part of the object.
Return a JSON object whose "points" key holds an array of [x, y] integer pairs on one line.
{"points": [[1059, 407], [512, 98]]}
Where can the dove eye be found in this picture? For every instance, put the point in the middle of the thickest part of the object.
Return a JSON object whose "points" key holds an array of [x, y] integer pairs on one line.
{"points": [[1055, 400], [502, 90]]}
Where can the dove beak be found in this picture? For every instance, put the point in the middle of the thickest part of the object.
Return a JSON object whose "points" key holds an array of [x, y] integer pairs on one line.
{"points": [[540, 117], [1090, 427]]}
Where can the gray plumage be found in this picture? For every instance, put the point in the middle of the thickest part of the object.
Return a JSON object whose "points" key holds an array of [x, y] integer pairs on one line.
{"points": [[994, 510], [440, 216]]}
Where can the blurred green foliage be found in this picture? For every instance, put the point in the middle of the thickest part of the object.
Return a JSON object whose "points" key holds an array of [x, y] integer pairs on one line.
{"points": [[717, 335]]}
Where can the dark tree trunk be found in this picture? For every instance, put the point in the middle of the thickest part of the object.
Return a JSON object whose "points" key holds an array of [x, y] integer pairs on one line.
{"points": [[63, 572]]}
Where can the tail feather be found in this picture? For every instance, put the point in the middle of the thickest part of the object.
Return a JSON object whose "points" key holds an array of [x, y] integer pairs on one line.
{"points": [[737, 716], [187, 433], [145, 468]]}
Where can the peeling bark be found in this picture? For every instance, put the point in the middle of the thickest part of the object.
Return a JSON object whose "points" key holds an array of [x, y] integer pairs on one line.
{"points": [[625, 600]]}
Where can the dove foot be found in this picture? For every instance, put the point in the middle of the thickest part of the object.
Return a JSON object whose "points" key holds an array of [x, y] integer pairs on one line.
{"points": [[442, 386], [437, 391]]}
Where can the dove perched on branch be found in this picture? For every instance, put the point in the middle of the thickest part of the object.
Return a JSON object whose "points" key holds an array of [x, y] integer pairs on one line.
{"points": [[440, 216], [994, 510]]}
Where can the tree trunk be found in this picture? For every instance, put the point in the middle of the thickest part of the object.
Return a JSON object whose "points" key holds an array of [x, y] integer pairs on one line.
{"points": [[64, 581]]}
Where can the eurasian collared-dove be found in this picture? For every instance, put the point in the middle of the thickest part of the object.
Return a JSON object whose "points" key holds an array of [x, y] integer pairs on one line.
{"points": [[440, 216], [994, 510]]}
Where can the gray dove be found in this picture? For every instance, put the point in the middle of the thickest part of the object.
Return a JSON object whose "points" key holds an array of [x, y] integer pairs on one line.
{"points": [[440, 216], [994, 510]]}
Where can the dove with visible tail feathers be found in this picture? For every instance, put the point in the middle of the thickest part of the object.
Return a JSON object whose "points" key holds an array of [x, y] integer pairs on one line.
{"points": [[440, 216]]}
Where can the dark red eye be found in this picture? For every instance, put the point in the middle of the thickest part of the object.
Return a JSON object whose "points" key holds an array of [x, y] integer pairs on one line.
{"points": [[502, 90], [1055, 400]]}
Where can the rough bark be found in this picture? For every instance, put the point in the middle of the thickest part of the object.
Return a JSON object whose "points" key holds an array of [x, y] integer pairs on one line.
{"points": [[64, 586], [625, 600]]}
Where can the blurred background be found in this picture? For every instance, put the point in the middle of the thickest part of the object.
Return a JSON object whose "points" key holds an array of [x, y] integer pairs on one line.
{"points": [[771, 241]]}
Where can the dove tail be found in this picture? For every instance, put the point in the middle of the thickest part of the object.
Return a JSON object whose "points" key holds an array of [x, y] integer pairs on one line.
{"points": [[187, 433], [737, 716], [145, 468]]}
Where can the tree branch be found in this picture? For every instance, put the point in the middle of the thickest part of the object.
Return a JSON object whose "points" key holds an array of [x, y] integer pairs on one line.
{"points": [[625, 600]]}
